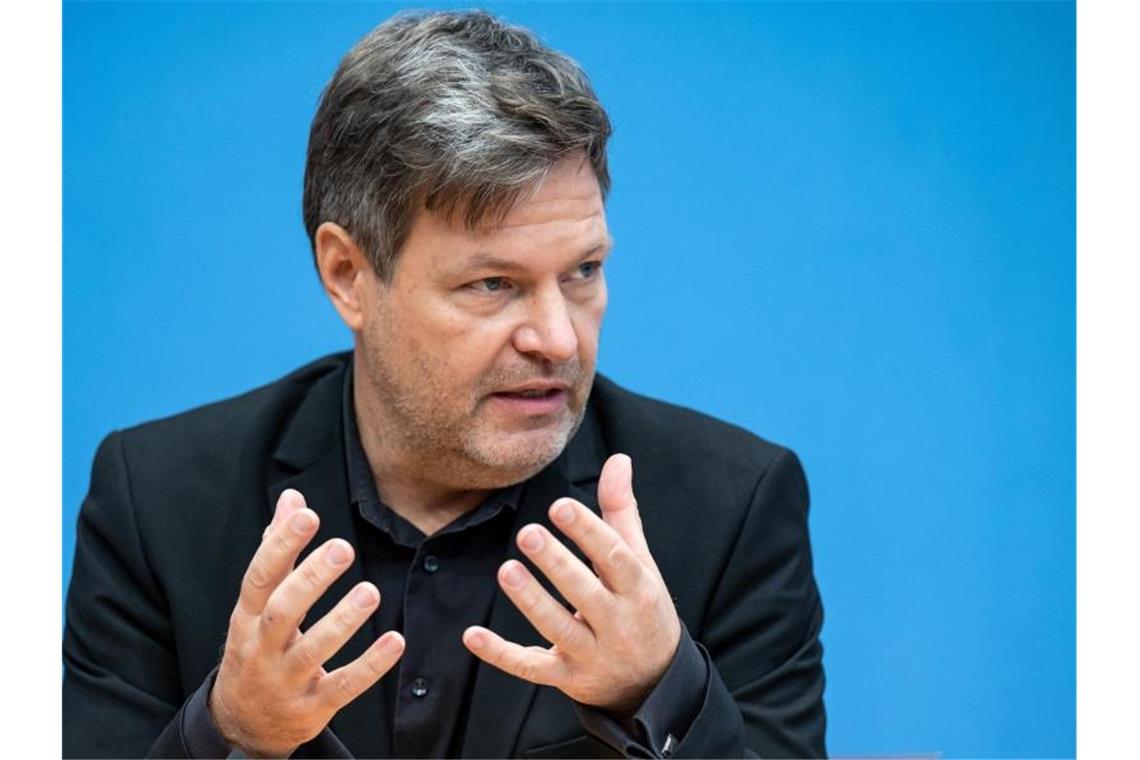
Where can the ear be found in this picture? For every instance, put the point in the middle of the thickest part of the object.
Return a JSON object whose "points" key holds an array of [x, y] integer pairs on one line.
{"points": [[346, 273]]}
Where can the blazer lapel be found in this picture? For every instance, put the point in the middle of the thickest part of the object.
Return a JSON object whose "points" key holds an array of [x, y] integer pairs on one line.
{"points": [[500, 702], [311, 459]]}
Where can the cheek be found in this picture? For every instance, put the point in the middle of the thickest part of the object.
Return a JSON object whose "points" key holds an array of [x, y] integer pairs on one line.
{"points": [[589, 323], [471, 345]]}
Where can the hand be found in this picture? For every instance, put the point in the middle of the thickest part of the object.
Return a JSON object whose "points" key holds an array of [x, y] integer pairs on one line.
{"points": [[271, 694], [615, 648]]}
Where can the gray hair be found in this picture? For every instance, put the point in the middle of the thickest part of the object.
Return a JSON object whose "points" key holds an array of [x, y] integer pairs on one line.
{"points": [[454, 112]]}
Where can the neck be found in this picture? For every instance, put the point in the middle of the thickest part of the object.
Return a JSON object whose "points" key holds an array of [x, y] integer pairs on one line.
{"points": [[404, 481]]}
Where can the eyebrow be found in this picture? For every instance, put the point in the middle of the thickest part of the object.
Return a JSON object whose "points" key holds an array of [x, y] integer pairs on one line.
{"points": [[484, 260]]}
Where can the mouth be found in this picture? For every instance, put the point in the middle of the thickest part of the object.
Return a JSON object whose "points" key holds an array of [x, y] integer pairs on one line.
{"points": [[533, 398], [530, 393]]}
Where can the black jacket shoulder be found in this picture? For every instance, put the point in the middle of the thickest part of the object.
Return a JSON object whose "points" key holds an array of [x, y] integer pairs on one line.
{"points": [[236, 421], [680, 440]]}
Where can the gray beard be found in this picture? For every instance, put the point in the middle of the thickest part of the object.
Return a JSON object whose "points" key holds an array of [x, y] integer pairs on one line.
{"points": [[450, 451]]}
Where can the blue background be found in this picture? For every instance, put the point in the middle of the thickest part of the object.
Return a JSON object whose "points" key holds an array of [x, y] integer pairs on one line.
{"points": [[847, 227]]}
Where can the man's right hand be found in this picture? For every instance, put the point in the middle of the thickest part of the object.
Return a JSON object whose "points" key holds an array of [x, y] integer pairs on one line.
{"points": [[271, 693]]}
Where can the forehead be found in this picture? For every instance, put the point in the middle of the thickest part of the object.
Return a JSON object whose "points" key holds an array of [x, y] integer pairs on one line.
{"points": [[563, 213], [569, 191]]}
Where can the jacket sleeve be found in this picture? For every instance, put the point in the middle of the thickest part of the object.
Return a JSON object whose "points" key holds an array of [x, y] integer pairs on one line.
{"points": [[764, 694], [123, 694], [121, 685]]}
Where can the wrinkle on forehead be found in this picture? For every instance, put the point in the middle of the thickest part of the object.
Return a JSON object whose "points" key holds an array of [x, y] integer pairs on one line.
{"points": [[540, 216], [565, 213], [565, 240], [568, 192]]}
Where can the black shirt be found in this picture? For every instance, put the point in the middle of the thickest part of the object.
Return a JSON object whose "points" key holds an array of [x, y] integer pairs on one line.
{"points": [[432, 588]]}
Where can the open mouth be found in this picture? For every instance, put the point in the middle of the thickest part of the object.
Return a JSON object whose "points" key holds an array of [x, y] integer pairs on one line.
{"points": [[531, 401], [534, 394]]}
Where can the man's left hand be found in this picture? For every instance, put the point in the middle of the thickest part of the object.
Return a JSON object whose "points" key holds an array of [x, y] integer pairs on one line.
{"points": [[616, 647]]}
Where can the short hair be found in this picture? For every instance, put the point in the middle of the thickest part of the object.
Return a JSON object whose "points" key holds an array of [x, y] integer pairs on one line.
{"points": [[453, 112]]}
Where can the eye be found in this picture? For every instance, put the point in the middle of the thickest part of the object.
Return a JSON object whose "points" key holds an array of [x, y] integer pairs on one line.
{"points": [[489, 285], [587, 270]]}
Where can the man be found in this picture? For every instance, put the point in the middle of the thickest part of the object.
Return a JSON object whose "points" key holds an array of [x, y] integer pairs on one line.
{"points": [[457, 539]]}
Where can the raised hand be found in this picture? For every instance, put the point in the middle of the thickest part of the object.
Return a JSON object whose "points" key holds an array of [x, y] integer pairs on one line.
{"points": [[614, 649], [272, 694]]}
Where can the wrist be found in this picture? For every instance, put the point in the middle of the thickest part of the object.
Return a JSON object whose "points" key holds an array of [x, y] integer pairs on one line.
{"points": [[229, 728], [220, 717]]}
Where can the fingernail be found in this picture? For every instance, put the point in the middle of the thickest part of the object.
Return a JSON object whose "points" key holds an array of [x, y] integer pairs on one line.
{"points": [[389, 643], [337, 554], [514, 576], [531, 539], [564, 513], [364, 597], [301, 522], [477, 640]]}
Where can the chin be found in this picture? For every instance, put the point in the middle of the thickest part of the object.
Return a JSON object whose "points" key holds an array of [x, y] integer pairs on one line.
{"points": [[509, 458]]}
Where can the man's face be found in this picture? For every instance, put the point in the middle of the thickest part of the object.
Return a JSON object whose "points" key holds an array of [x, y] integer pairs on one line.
{"points": [[480, 352]]}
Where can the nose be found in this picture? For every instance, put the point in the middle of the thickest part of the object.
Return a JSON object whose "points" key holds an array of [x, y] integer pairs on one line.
{"points": [[548, 329]]}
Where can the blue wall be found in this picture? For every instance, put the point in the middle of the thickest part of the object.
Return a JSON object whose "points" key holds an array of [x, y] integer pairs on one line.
{"points": [[847, 227]]}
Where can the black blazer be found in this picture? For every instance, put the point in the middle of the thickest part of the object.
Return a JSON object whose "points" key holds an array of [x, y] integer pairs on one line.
{"points": [[177, 507]]}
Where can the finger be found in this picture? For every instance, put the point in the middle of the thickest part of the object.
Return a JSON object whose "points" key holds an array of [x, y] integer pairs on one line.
{"points": [[275, 558], [331, 632], [556, 624], [288, 502], [613, 558], [581, 587], [288, 604], [533, 664], [346, 683], [618, 503]]}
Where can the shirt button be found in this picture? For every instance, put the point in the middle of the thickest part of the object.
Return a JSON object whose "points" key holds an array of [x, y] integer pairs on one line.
{"points": [[431, 563], [419, 687]]}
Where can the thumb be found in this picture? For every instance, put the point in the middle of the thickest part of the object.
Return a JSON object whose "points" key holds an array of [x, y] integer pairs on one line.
{"points": [[619, 505]]}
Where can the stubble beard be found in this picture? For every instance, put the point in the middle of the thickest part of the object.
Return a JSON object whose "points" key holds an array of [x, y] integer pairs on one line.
{"points": [[452, 438]]}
